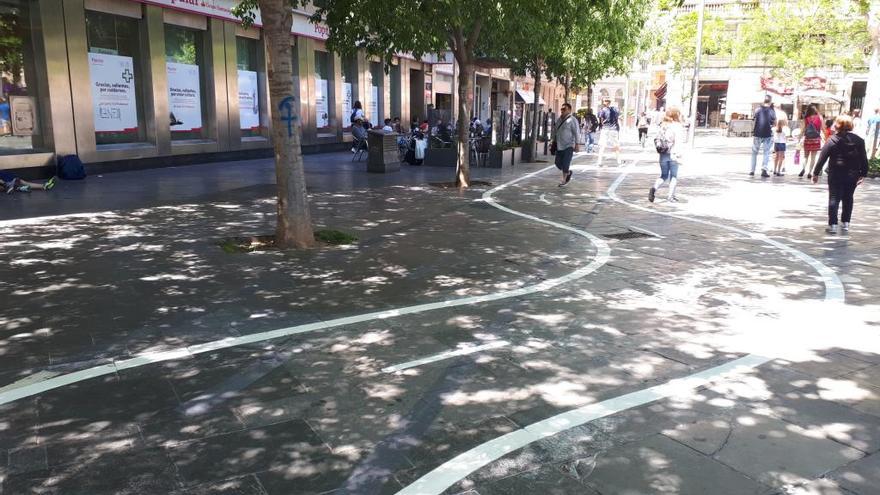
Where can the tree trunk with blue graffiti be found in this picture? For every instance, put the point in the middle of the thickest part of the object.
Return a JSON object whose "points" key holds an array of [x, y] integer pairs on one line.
{"points": [[294, 226]]}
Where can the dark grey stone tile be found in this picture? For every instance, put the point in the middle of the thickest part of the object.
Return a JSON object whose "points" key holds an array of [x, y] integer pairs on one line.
{"points": [[247, 485], [861, 476]]}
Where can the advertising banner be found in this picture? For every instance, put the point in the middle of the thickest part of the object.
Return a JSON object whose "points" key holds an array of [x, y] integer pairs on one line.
{"points": [[373, 116], [321, 104], [184, 97], [113, 96], [346, 105], [248, 100]]}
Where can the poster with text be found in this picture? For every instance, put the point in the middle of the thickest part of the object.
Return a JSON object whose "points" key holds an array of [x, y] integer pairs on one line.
{"points": [[373, 116], [184, 97], [322, 107], [346, 104], [248, 100], [113, 97]]}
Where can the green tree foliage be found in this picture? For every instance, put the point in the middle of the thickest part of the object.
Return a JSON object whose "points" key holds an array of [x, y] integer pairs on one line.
{"points": [[680, 47], [795, 37]]}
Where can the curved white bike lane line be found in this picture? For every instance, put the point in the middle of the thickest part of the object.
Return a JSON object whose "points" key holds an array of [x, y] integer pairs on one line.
{"points": [[461, 466], [603, 253]]}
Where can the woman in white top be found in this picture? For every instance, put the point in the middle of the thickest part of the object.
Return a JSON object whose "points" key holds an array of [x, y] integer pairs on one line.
{"points": [[670, 143], [780, 139]]}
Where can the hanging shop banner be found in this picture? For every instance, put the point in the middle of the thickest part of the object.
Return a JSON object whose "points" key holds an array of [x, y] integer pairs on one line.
{"points": [[346, 105], [373, 116], [248, 100], [322, 111], [113, 97], [184, 97]]}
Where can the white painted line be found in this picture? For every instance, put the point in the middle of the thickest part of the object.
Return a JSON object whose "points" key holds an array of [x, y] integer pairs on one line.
{"points": [[646, 231], [458, 468], [464, 351], [28, 380], [545, 200], [603, 252]]}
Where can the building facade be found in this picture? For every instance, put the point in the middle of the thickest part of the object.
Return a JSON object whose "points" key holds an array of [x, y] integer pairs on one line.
{"points": [[177, 80]]}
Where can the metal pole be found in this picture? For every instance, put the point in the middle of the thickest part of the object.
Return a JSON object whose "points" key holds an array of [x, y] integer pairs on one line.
{"points": [[695, 87]]}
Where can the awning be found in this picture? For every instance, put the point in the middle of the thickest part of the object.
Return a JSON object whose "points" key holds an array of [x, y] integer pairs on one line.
{"points": [[820, 95], [528, 97], [660, 92]]}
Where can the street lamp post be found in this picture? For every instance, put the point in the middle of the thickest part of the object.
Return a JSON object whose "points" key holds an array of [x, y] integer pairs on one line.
{"points": [[695, 86]]}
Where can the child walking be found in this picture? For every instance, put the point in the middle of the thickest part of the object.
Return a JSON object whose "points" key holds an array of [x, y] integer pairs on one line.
{"points": [[780, 138]]}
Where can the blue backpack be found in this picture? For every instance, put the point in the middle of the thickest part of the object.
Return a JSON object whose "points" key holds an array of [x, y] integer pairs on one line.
{"points": [[70, 167]]}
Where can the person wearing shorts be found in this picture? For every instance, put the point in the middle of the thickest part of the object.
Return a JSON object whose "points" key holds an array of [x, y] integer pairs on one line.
{"points": [[610, 135], [779, 143], [565, 138], [11, 183]]}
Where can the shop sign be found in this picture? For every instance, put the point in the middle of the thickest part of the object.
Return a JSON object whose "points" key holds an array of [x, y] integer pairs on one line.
{"points": [[184, 97], [322, 109], [23, 111], [248, 100], [774, 85], [346, 105], [113, 96]]}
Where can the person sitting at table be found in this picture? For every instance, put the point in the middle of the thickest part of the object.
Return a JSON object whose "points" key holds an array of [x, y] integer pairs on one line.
{"points": [[359, 133]]}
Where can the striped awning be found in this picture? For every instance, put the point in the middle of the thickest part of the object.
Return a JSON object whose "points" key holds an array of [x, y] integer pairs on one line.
{"points": [[660, 92]]}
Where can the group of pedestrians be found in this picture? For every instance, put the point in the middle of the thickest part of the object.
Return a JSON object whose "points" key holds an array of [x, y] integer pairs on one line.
{"points": [[602, 131]]}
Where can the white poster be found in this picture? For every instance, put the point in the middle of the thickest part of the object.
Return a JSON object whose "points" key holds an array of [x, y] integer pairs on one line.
{"points": [[346, 104], [113, 98], [184, 97], [248, 100], [373, 116], [321, 105]]}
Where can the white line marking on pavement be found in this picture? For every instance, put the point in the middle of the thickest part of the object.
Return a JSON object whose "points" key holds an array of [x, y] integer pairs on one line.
{"points": [[463, 351], [646, 231], [458, 468], [35, 378], [545, 200], [603, 252]]}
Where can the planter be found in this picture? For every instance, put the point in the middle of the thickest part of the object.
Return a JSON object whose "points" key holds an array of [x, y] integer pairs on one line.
{"points": [[501, 158], [440, 157]]}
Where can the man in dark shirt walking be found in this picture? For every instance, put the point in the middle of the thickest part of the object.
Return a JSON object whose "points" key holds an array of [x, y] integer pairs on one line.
{"points": [[765, 119]]}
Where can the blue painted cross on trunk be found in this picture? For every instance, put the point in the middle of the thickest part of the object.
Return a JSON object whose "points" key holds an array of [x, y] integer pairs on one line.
{"points": [[286, 106]]}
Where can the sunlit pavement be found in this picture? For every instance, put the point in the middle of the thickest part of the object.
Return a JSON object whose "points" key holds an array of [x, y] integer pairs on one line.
{"points": [[140, 275]]}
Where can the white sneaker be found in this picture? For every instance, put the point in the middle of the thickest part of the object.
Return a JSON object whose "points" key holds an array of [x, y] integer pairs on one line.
{"points": [[844, 227], [831, 229]]}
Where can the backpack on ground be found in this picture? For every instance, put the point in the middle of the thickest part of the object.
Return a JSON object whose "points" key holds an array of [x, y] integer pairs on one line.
{"points": [[70, 167], [663, 142], [811, 132]]}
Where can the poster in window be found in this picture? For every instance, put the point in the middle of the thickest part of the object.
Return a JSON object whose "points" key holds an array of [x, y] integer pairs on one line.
{"points": [[184, 97], [248, 100], [373, 116], [321, 105], [346, 105], [113, 95], [24, 115]]}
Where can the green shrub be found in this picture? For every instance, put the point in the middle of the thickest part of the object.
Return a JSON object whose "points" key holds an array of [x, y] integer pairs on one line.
{"points": [[874, 167], [335, 237]]}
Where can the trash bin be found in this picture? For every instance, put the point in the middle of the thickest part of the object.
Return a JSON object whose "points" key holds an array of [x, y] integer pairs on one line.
{"points": [[383, 156]]}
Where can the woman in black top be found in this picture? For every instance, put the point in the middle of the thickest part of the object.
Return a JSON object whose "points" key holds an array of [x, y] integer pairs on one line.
{"points": [[847, 168]]}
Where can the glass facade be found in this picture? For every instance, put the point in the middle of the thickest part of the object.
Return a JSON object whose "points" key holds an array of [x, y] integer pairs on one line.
{"points": [[19, 113], [349, 88], [323, 93], [186, 69], [249, 97], [377, 88], [116, 78]]}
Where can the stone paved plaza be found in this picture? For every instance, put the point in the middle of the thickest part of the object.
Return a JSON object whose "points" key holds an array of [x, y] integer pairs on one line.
{"points": [[502, 340]]}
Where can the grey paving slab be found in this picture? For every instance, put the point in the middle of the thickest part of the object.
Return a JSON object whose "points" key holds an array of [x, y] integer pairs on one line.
{"points": [[779, 453], [247, 485], [660, 465], [549, 480], [861, 476]]}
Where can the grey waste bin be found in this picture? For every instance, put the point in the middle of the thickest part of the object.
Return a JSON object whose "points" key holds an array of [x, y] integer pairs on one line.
{"points": [[383, 156]]}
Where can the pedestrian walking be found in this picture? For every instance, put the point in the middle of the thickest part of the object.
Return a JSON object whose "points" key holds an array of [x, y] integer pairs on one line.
{"points": [[847, 168], [872, 131], [765, 120], [642, 125], [610, 134], [858, 125], [670, 145], [811, 135], [780, 139], [591, 125], [565, 142]]}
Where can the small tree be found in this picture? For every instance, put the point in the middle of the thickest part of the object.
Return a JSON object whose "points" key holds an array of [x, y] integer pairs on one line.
{"points": [[385, 27], [680, 45], [797, 37], [294, 225]]}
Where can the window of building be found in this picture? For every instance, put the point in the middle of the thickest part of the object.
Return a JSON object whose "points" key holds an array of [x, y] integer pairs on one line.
{"points": [[249, 92], [20, 116], [395, 91], [185, 64], [349, 88], [375, 111], [116, 77], [323, 92]]}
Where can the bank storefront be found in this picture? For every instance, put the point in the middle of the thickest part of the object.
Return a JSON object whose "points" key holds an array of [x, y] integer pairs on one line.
{"points": [[172, 81]]}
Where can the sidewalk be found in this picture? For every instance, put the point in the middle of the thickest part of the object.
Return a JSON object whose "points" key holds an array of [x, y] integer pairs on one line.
{"points": [[455, 320]]}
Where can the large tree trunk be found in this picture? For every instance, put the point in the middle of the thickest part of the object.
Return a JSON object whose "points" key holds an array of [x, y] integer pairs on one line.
{"points": [[529, 148], [294, 227], [465, 80], [567, 86]]}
